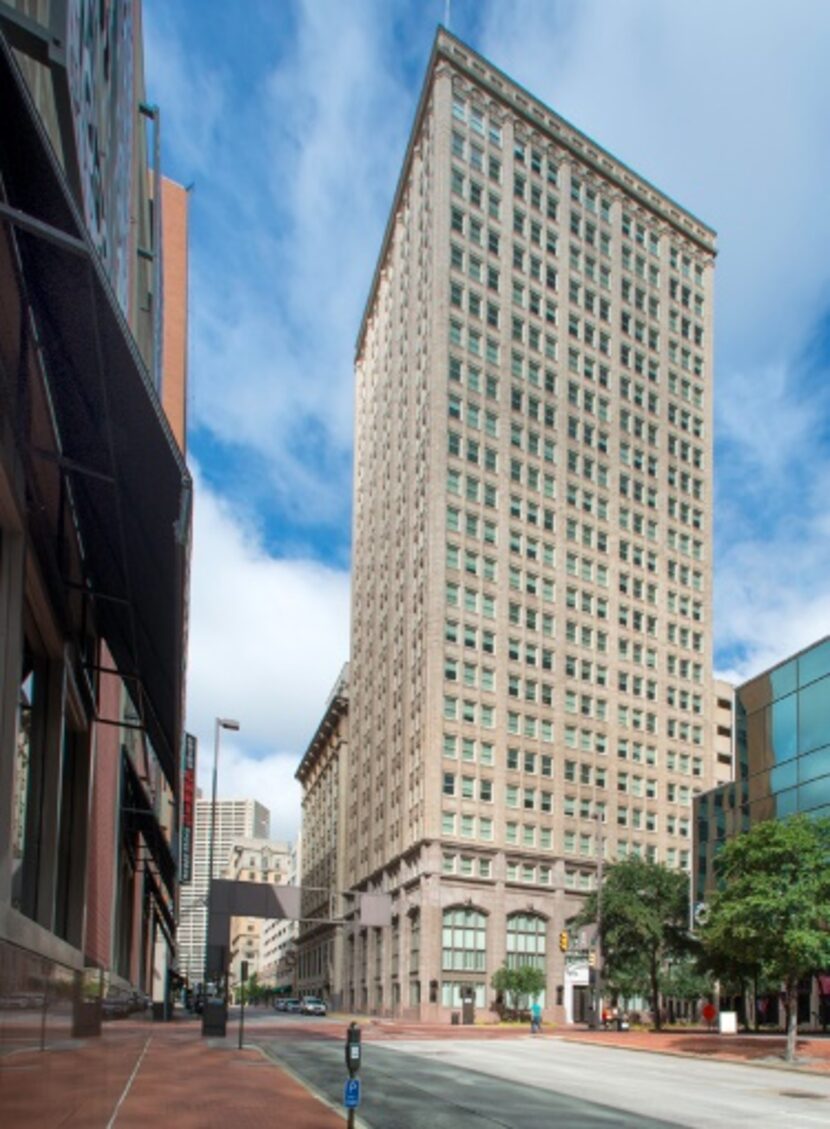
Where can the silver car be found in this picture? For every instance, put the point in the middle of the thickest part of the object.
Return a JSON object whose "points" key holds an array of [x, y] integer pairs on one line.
{"points": [[312, 1005]]}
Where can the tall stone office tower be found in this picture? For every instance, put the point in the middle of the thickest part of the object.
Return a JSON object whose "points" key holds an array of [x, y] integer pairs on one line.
{"points": [[531, 618]]}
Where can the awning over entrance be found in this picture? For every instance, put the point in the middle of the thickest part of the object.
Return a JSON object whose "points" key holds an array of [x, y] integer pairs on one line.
{"points": [[130, 485]]}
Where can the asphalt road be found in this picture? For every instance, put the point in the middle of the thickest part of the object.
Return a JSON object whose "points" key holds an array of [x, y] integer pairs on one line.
{"points": [[684, 1091], [520, 1083], [403, 1090]]}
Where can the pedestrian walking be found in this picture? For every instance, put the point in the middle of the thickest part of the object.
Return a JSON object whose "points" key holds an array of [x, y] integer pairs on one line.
{"points": [[535, 1017]]}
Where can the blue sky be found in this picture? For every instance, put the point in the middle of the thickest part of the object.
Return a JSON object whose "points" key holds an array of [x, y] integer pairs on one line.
{"points": [[290, 120]]}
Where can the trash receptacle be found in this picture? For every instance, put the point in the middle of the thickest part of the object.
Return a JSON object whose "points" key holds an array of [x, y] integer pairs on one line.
{"points": [[455, 1018], [215, 1018]]}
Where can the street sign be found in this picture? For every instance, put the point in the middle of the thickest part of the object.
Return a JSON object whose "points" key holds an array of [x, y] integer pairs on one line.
{"points": [[351, 1093]]}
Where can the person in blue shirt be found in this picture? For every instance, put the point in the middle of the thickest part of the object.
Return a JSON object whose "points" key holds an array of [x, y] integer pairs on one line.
{"points": [[535, 1017]]}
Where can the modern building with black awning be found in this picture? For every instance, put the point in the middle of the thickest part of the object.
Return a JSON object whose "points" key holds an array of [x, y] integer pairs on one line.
{"points": [[95, 510]]}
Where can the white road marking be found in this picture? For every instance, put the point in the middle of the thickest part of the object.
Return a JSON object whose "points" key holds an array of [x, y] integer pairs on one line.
{"points": [[130, 1081]]}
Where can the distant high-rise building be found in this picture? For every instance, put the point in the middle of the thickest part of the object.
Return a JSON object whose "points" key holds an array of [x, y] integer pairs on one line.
{"points": [[253, 860], [322, 773], [235, 820], [531, 611], [278, 965]]}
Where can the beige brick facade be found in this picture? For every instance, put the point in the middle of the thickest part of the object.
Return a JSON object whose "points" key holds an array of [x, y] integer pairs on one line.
{"points": [[322, 773], [531, 615]]}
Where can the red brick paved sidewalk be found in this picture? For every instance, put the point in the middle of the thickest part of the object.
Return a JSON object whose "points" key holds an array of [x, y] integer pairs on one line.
{"points": [[813, 1053], [138, 1075]]}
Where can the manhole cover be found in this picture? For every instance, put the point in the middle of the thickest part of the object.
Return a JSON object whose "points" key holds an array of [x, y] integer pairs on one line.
{"points": [[801, 1094]]}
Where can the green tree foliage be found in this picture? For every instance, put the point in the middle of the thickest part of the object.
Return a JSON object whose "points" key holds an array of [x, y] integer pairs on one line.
{"points": [[518, 984], [645, 909], [772, 910]]}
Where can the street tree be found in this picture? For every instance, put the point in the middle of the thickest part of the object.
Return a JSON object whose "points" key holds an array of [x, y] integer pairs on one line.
{"points": [[644, 924], [518, 984], [772, 908]]}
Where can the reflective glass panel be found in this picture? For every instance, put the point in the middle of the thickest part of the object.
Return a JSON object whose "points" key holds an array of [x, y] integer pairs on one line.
{"points": [[813, 765], [782, 680], [814, 716], [814, 794], [786, 803], [784, 776], [782, 729], [814, 664], [751, 745]]}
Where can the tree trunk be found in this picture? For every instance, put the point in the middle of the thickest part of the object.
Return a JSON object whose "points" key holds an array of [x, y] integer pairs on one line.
{"points": [[655, 994], [792, 1018]]}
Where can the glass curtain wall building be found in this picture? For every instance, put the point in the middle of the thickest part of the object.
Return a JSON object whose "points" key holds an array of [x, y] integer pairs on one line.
{"points": [[782, 755]]}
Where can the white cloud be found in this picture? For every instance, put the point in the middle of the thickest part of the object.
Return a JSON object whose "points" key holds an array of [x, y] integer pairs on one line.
{"points": [[287, 223], [193, 100], [267, 641], [721, 106]]}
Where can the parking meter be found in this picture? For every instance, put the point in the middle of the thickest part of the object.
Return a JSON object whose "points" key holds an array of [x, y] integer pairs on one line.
{"points": [[353, 1049]]}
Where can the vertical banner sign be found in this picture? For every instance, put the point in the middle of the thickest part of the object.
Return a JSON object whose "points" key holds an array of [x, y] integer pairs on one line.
{"points": [[188, 809]]}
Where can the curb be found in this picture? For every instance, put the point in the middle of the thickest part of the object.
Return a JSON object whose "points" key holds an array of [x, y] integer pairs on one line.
{"points": [[315, 1093]]}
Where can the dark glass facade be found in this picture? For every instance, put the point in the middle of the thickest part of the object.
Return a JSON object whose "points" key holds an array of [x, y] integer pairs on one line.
{"points": [[782, 756]]}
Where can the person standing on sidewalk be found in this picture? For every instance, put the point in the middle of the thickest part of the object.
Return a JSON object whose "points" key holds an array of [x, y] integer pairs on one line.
{"points": [[535, 1017]]}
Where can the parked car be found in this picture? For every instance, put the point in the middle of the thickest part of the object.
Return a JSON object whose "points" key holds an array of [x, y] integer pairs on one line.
{"points": [[312, 1005], [292, 1006]]}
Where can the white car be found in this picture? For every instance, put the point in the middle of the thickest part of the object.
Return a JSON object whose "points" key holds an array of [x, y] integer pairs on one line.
{"points": [[312, 1005]]}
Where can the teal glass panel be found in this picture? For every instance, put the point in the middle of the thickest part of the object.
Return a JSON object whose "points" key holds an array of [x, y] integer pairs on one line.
{"points": [[783, 680], [782, 729], [814, 794], [813, 765], [814, 715], [784, 776], [786, 803], [814, 663]]}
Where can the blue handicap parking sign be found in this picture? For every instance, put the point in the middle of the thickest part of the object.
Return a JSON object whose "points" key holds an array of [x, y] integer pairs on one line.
{"points": [[351, 1093]]}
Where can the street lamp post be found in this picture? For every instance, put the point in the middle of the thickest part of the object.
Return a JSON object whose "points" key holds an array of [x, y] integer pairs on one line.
{"points": [[598, 986], [221, 723]]}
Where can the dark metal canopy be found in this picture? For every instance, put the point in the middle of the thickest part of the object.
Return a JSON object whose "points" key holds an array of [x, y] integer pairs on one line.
{"points": [[139, 816], [130, 485]]}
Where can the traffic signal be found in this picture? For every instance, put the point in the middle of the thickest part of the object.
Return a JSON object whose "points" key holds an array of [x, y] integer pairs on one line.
{"points": [[592, 958], [563, 941]]}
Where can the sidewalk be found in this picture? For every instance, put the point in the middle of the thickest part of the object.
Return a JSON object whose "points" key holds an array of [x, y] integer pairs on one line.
{"points": [[139, 1074], [813, 1052]]}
